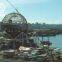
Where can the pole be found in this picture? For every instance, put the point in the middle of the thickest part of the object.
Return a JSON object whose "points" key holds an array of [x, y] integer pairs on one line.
{"points": [[12, 5], [42, 38]]}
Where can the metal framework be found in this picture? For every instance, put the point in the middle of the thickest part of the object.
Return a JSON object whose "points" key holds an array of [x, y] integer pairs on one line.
{"points": [[15, 26]]}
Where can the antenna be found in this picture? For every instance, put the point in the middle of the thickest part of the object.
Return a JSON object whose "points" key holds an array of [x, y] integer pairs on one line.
{"points": [[12, 5]]}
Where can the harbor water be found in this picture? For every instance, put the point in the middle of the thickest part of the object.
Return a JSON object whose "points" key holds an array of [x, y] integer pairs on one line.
{"points": [[55, 40]]}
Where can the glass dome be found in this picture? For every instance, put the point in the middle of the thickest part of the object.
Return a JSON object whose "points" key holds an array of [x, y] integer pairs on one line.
{"points": [[14, 18]]}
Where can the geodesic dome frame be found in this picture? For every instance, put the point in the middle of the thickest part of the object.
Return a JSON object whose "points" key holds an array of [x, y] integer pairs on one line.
{"points": [[14, 23], [15, 17]]}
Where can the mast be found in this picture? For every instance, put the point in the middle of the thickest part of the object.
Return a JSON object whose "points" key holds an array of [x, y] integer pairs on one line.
{"points": [[13, 6]]}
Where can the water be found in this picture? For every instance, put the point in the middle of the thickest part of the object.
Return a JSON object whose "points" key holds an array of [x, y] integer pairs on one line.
{"points": [[56, 40]]}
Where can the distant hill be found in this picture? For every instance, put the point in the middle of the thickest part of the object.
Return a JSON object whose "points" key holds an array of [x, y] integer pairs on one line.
{"points": [[47, 26], [41, 26]]}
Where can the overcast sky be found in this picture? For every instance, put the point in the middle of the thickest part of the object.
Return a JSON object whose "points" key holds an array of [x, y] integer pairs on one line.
{"points": [[42, 11]]}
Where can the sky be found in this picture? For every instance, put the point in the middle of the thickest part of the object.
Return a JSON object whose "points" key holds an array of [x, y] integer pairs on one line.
{"points": [[41, 11]]}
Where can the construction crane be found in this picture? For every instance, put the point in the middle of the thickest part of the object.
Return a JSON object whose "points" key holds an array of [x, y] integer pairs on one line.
{"points": [[13, 6]]}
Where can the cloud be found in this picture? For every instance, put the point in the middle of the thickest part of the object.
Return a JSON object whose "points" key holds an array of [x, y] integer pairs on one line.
{"points": [[2, 10], [2, 7]]}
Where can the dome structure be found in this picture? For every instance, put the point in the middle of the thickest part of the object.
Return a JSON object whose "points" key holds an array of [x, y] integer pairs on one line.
{"points": [[14, 24], [14, 18]]}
